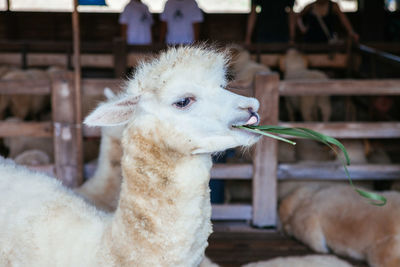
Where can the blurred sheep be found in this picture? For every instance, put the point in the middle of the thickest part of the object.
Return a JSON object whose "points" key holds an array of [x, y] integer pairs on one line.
{"points": [[32, 157], [242, 68], [24, 106], [337, 219], [294, 65]]}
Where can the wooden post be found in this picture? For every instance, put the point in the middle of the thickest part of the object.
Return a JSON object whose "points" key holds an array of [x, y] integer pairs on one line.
{"points": [[67, 132], [266, 153], [67, 117], [24, 58], [120, 57], [350, 57]]}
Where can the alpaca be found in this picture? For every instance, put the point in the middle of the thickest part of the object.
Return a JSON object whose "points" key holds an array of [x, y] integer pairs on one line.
{"points": [[337, 219], [302, 261], [295, 68], [177, 114]]}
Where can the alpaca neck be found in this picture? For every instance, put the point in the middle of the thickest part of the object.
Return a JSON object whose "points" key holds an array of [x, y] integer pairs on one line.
{"points": [[163, 216]]}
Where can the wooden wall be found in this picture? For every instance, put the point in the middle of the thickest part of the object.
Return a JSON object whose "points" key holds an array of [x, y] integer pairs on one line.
{"points": [[56, 26]]}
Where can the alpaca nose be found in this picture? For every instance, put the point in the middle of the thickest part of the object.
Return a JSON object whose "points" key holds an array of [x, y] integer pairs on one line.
{"points": [[250, 104]]}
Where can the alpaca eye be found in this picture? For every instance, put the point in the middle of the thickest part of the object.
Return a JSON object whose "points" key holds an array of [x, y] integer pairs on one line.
{"points": [[184, 102]]}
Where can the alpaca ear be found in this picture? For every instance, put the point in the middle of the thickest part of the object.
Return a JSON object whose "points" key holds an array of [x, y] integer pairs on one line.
{"points": [[113, 113]]}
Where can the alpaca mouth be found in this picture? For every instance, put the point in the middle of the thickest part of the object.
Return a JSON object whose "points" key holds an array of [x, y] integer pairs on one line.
{"points": [[254, 119]]}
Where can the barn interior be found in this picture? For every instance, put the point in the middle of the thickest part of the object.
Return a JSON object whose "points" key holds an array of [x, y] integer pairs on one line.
{"points": [[75, 53]]}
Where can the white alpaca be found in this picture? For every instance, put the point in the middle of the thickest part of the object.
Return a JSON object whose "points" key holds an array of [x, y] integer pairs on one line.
{"points": [[295, 68], [177, 114]]}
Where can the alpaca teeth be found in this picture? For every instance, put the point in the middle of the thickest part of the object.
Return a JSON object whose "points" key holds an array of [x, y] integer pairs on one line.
{"points": [[252, 120]]}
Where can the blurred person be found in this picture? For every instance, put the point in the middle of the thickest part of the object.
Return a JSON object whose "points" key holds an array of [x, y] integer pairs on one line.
{"points": [[180, 22], [316, 22], [136, 21], [271, 22]]}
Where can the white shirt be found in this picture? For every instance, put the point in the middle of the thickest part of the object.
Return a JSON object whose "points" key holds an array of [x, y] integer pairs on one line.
{"points": [[138, 19], [180, 16]]}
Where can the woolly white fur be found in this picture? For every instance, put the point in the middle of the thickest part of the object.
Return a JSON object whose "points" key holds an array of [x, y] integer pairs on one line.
{"points": [[163, 215]]}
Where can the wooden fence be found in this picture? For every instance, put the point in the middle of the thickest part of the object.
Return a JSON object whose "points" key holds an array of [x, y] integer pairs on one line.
{"points": [[264, 170], [118, 56]]}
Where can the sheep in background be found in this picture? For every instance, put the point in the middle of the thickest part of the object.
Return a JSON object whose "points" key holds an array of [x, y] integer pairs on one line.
{"points": [[294, 66], [22, 106], [241, 67], [33, 157], [336, 218], [302, 261], [20, 144], [172, 130]]}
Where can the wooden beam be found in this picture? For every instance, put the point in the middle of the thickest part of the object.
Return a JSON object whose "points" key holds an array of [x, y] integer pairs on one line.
{"points": [[15, 87], [97, 60], [266, 153], [314, 60], [135, 58], [340, 87], [231, 212], [46, 59], [232, 171], [329, 171], [96, 86], [12, 59], [32, 129], [352, 129], [299, 171]]}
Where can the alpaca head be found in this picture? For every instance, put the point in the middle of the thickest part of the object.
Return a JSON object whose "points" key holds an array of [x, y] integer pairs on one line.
{"points": [[180, 98]]}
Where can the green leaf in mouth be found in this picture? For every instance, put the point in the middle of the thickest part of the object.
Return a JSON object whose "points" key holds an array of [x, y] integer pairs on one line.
{"points": [[274, 131]]}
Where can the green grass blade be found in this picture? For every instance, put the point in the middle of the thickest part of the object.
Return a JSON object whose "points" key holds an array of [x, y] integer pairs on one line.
{"points": [[374, 198], [266, 134]]}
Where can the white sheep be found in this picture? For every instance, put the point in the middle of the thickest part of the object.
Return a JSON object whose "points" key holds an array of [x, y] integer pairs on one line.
{"points": [[177, 114], [302, 261], [33, 157], [337, 219], [295, 68], [242, 68], [22, 106]]}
